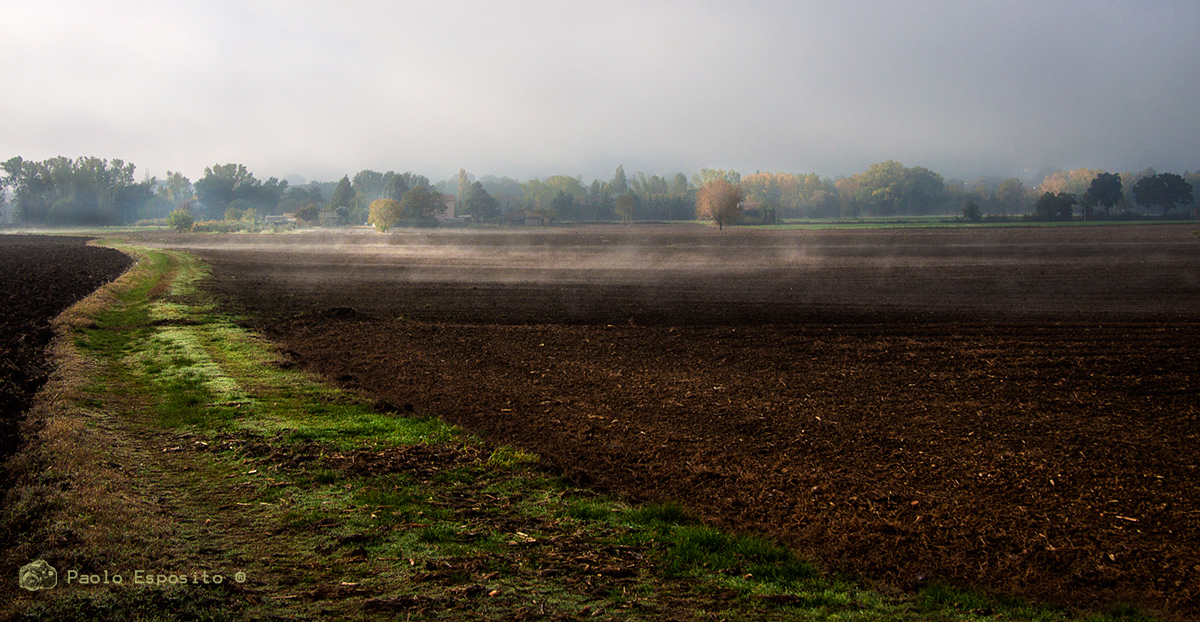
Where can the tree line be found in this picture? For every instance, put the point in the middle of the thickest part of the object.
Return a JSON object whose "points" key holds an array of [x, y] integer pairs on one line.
{"points": [[1096, 193], [88, 190], [65, 191]]}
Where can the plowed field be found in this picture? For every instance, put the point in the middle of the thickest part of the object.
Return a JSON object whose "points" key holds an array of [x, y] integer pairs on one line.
{"points": [[40, 276], [1013, 409]]}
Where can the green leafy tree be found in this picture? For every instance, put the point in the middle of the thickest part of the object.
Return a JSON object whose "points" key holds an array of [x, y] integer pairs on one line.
{"points": [[679, 184], [177, 189], [297, 197], [343, 195], [646, 187], [506, 190], [13, 178], [1165, 190], [1055, 206], [972, 212], [415, 180], [924, 191], [707, 175], [600, 201], [890, 188], [719, 201], [421, 203], [85, 190], [787, 194], [562, 205], [221, 185], [345, 202], [394, 186], [1193, 179], [267, 195], [847, 189], [130, 198], [479, 203], [34, 189], [1105, 189], [180, 220], [883, 187], [619, 184], [309, 213], [547, 194], [368, 183], [1011, 197]]}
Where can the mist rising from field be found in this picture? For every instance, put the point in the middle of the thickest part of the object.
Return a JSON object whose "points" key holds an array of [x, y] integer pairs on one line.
{"points": [[554, 256], [681, 274], [633, 251]]}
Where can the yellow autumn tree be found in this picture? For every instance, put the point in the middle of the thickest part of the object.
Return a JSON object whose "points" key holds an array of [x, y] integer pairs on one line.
{"points": [[1075, 181], [385, 213], [719, 201]]}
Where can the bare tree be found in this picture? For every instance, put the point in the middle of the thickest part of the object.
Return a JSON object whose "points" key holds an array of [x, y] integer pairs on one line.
{"points": [[625, 206], [720, 201]]}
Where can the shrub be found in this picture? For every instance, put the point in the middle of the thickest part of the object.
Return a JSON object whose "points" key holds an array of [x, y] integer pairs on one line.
{"points": [[972, 212], [180, 220]]}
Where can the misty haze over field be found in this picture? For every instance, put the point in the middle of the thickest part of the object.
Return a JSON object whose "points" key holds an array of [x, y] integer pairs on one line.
{"points": [[541, 88]]}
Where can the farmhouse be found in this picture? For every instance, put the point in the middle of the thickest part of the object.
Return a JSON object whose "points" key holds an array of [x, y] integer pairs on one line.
{"points": [[449, 205], [526, 217], [754, 212]]}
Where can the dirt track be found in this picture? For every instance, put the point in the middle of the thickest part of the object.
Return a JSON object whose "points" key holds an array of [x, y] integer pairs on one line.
{"points": [[1009, 408]]}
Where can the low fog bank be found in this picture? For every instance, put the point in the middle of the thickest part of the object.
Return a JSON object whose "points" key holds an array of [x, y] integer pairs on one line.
{"points": [[681, 275], [690, 246]]}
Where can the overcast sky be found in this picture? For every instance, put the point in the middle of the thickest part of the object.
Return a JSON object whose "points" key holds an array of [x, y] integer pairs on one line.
{"points": [[523, 89]]}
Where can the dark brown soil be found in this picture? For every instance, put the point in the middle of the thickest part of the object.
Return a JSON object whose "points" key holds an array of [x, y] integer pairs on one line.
{"points": [[40, 276], [1012, 409]]}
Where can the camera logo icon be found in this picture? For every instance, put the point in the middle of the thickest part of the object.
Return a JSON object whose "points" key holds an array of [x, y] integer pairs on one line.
{"points": [[38, 576]]}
